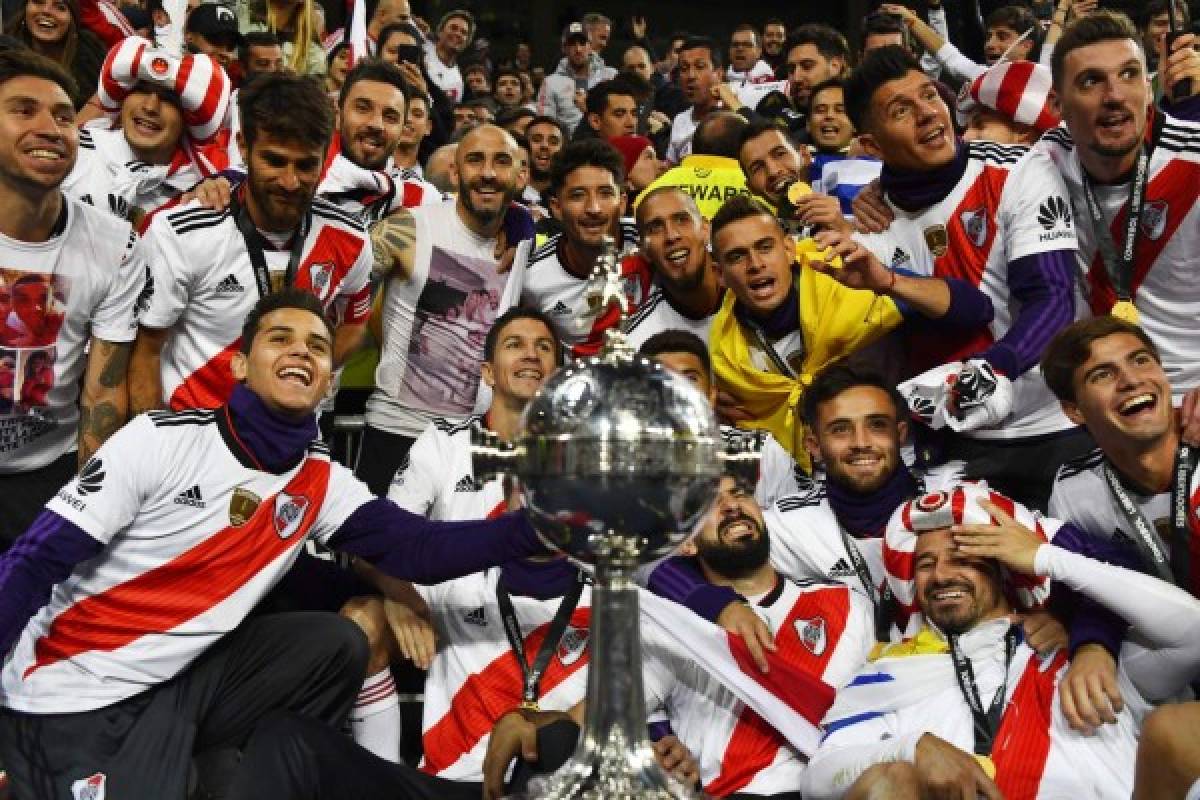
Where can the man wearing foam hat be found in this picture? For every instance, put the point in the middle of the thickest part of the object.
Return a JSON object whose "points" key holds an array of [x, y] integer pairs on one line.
{"points": [[1008, 104], [968, 709], [165, 111]]}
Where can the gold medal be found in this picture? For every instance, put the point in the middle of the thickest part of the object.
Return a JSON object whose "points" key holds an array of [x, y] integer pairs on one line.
{"points": [[529, 705], [1125, 310], [937, 240], [989, 766]]}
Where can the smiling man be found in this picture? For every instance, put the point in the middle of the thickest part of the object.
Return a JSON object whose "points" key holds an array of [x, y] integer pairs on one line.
{"points": [[207, 267], [129, 594], [444, 289], [1144, 273], [71, 276], [1141, 484], [1001, 219], [587, 182], [920, 721]]}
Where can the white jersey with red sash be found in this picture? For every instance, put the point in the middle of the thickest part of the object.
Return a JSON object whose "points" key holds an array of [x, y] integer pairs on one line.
{"points": [[1009, 204], [550, 288], [195, 536], [824, 630], [437, 480], [201, 283], [1165, 282], [476, 679]]}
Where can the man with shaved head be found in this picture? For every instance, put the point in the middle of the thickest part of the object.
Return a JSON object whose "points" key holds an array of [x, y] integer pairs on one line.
{"points": [[443, 292]]}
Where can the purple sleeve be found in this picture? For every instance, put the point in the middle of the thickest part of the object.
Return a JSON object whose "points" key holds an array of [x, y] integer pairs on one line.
{"points": [[676, 579], [44, 556], [411, 547], [1043, 285], [969, 307], [518, 224], [1188, 109], [1091, 622]]}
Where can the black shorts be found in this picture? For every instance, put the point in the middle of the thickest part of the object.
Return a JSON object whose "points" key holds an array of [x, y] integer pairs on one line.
{"points": [[142, 747]]}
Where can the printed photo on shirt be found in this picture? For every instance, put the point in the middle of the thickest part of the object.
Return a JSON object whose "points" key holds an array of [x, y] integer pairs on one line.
{"points": [[456, 309], [32, 308]]}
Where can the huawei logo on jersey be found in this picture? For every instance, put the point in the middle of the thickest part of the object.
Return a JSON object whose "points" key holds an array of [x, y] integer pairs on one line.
{"points": [[572, 645], [289, 513], [812, 635], [1055, 218]]}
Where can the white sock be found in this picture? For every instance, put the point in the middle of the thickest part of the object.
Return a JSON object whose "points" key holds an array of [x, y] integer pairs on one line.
{"points": [[375, 718]]}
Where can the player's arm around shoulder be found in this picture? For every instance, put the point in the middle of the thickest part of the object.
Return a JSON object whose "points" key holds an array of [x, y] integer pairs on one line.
{"points": [[393, 243]]}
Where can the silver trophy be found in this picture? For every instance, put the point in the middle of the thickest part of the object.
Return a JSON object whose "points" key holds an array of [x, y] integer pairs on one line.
{"points": [[619, 461]]}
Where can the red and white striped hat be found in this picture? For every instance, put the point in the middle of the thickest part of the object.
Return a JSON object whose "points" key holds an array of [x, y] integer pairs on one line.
{"points": [[200, 83], [940, 510], [1018, 90]]}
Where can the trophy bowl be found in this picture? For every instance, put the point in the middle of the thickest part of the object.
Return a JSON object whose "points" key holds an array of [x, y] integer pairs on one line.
{"points": [[618, 446]]}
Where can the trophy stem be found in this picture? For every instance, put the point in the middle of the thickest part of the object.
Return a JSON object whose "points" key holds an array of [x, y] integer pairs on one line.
{"points": [[613, 759]]}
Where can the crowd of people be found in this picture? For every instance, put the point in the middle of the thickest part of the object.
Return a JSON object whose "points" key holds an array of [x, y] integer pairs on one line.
{"points": [[261, 281]]}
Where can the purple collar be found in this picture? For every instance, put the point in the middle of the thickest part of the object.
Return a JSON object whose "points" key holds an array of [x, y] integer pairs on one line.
{"points": [[864, 516], [914, 191], [262, 439]]}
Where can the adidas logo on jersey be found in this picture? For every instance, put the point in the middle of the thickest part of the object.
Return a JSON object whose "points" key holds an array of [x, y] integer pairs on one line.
{"points": [[190, 497], [91, 477], [1055, 218], [841, 569], [465, 484], [901, 260], [477, 616], [230, 285], [560, 309]]}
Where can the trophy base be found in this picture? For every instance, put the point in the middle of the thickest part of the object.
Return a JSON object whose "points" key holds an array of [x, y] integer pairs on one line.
{"points": [[615, 771]]}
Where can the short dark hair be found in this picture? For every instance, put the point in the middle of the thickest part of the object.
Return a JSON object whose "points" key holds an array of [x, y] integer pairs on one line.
{"points": [[510, 115], [1152, 8], [598, 96], [746, 26], [756, 128], [512, 315], [666, 188], [718, 134], [546, 119], [286, 106], [1072, 346], [256, 39], [837, 378], [828, 83], [1019, 18], [880, 66], [881, 22], [1099, 26], [505, 72], [703, 43], [379, 71], [460, 13], [675, 340], [288, 298], [585, 153], [736, 209], [774, 21], [828, 41], [22, 62], [398, 27]]}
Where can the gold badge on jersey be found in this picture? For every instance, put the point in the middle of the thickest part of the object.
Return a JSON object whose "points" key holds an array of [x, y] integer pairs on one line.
{"points": [[242, 506], [1126, 311], [937, 240], [278, 281], [989, 766]]}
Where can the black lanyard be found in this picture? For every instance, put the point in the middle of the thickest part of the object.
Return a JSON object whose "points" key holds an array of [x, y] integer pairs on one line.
{"points": [[1119, 264], [512, 629], [254, 247], [986, 722], [1172, 565], [882, 599]]}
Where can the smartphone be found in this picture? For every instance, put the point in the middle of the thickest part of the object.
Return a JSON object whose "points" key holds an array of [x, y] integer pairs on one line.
{"points": [[408, 52]]}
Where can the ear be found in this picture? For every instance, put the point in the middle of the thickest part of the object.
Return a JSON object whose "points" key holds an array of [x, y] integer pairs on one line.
{"points": [[810, 444], [870, 146], [239, 364], [593, 120], [488, 375], [841, 65], [1055, 102], [242, 149], [555, 206], [1072, 411], [902, 431]]}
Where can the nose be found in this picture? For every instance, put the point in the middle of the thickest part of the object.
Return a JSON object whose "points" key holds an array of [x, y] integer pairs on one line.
{"points": [[860, 438], [289, 178]]}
